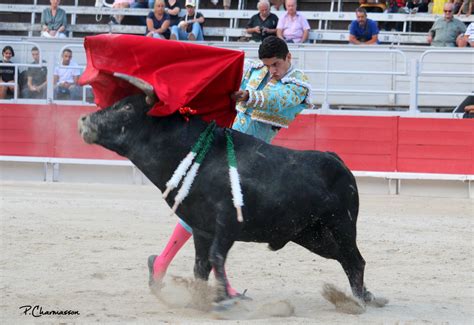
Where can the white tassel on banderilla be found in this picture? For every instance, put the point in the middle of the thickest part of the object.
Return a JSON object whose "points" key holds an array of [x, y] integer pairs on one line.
{"points": [[237, 195], [191, 175], [188, 160]]}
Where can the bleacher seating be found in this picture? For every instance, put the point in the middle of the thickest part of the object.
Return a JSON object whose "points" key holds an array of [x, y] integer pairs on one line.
{"points": [[327, 27]]}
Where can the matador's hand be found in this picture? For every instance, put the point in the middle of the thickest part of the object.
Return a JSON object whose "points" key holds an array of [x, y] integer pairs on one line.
{"points": [[240, 96]]}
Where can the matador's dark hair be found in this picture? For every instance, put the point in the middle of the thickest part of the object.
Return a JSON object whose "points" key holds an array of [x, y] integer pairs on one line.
{"points": [[273, 47]]}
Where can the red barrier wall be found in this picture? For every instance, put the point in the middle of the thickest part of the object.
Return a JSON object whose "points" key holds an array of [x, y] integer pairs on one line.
{"points": [[46, 131], [368, 143]]}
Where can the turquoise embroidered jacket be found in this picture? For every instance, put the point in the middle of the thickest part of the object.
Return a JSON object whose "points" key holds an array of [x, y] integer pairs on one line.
{"points": [[272, 104]]}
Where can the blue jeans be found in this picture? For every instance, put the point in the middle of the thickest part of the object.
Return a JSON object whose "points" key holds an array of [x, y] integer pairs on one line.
{"points": [[182, 35], [141, 5]]}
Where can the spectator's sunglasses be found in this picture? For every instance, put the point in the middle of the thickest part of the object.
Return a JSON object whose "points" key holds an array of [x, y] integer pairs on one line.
{"points": [[448, 11]]}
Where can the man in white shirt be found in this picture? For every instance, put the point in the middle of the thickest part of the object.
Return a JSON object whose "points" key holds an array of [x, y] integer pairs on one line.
{"points": [[66, 77], [468, 38]]}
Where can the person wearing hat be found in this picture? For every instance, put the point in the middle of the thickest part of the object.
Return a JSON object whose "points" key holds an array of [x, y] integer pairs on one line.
{"points": [[190, 26]]}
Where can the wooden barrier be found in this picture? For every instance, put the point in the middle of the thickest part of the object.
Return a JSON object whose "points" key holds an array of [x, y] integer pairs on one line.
{"points": [[365, 143]]}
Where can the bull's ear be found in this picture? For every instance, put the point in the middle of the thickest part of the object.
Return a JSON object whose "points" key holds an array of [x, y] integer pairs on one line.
{"points": [[147, 88]]}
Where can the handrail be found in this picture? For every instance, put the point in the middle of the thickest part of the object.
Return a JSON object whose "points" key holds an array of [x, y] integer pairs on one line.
{"points": [[394, 67], [17, 65], [230, 14], [441, 73], [327, 71]]}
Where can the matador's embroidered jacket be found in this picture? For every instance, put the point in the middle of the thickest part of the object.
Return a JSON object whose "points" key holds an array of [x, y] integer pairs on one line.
{"points": [[272, 104]]}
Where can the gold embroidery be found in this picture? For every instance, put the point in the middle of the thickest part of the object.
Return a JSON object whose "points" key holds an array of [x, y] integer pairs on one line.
{"points": [[262, 116]]}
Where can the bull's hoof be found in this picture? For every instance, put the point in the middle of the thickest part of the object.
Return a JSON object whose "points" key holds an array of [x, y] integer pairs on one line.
{"points": [[371, 300], [155, 284]]}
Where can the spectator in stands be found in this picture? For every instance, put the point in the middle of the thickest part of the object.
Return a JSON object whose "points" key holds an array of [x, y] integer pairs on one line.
{"points": [[7, 73], [264, 23], [66, 78], [277, 5], [136, 20], [468, 37], [373, 5], [363, 31], [226, 3], [190, 27], [293, 27], [120, 4], [465, 8], [36, 78], [446, 31], [438, 6], [158, 21], [418, 6], [173, 9], [395, 7], [53, 21]]}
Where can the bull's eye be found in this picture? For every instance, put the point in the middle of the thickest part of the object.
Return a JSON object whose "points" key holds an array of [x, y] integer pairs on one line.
{"points": [[127, 107]]}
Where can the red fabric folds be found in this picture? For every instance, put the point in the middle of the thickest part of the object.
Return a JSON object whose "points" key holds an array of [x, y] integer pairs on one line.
{"points": [[182, 74]]}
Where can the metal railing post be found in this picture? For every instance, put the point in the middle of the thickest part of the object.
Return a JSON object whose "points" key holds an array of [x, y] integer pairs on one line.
{"points": [[414, 67], [325, 105]]}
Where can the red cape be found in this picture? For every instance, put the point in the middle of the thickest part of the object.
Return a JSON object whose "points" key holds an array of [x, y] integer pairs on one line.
{"points": [[182, 74]]}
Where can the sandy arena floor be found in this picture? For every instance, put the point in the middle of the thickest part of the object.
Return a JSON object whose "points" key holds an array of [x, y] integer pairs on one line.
{"points": [[84, 248]]}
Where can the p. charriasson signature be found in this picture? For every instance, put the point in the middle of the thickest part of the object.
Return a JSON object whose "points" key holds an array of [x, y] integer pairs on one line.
{"points": [[38, 311]]}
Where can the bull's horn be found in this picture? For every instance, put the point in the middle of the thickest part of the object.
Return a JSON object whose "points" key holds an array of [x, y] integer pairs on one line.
{"points": [[141, 84]]}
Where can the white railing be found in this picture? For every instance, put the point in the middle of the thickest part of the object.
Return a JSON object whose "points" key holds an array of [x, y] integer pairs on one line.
{"points": [[393, 63], [420, 69], [27, 46], [16, 66], [233, 15]]}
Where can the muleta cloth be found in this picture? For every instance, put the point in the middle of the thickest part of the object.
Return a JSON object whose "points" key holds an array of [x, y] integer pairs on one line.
{"points": [[182, 74]]}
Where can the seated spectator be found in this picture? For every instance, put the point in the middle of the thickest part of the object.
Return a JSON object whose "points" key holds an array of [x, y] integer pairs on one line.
{"points": [[468, 38], [66, 78], [226, 3], [418, 6], [7, 73], [263, 24], [36, 78], [158, 21], [173, 9], [395, 7], [120, 4], [277, 5], [363, 31], [373, 5], [446, 31], [135, 20], [465, 8], [190, 26], [293, 27], [53, 21], [438, 6]]}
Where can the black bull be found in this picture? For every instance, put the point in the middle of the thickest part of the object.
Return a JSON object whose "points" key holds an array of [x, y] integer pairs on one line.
{"points": [[307, 197]]}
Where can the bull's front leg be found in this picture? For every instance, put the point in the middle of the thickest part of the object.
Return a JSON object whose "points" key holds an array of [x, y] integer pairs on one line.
{"points": [[224, 239], [202, 246]]}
